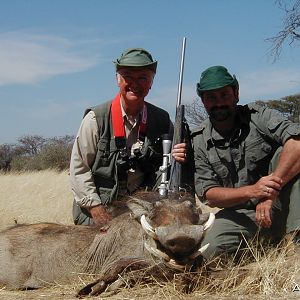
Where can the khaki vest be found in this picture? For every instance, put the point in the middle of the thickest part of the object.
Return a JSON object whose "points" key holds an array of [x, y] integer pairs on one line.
{"points": [[105, 168]]}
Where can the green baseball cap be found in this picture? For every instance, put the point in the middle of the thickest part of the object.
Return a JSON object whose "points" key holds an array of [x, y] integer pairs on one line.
{"points": [[136, 57], [214, 78]]}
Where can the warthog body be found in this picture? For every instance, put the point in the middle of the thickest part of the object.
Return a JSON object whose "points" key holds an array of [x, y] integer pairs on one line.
{"points": [[33, 256]]}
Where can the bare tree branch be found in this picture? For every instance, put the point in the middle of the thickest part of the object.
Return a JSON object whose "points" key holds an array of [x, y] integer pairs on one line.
{"points": [[291, 28], [195, 113]]}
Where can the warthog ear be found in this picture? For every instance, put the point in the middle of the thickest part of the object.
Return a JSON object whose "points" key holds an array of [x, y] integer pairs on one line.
{"points": [[139, 207]]}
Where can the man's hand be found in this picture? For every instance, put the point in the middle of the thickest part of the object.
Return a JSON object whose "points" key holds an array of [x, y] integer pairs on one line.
{"points": [[264, 213], [100, 214], [267, 187], [179, 152]]}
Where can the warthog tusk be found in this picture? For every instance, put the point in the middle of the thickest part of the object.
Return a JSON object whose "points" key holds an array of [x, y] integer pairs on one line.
{"points": [[209, 222], [157, 252], [148, 228], [174, 265], [199, 251]]}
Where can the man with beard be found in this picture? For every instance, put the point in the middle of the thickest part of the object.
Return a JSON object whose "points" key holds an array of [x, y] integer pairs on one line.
{"points": [[118, 148], [247, 164]]}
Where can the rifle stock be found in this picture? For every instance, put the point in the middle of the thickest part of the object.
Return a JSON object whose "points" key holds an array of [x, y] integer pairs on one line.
{"points": [[175, 181]]}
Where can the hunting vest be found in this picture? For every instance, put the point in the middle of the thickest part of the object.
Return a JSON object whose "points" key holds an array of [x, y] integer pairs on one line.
{"points": [[106, 169]]}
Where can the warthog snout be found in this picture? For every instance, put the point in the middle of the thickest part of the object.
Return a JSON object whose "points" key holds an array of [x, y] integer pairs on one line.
{"points": [[175, 230], [180, 240]]}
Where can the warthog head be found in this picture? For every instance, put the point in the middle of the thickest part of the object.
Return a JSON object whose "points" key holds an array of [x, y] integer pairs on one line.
{"points": [[174, 229]]}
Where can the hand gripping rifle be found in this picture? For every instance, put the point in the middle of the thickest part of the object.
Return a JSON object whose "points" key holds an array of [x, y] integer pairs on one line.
{"points": [[175, 182]]}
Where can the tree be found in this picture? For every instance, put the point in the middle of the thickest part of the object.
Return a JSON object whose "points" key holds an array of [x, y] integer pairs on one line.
{"points": [[195, 113], [30, 144], [288, 106], [39, 153], [291, 27], [6, 156]]}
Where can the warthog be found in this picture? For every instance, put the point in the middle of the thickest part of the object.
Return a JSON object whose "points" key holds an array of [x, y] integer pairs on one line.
{"points": [[165, 232]]}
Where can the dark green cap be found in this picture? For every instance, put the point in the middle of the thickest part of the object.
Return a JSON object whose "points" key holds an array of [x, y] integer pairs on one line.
{"points": [[136, 57], [214, 78]]}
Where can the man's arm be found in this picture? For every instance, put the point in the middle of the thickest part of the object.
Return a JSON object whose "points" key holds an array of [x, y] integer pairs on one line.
{"points": [[289, 161], [82, 158], [222, 197], [288, 167]]}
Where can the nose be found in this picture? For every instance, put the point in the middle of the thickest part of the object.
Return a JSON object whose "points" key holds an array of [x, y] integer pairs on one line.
{"points": [[180, 239], [180, 244], [217, 101]]}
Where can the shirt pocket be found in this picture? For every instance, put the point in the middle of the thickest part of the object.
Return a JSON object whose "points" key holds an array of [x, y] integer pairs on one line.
{"points": [[258, 153], [222, 174], [105, 150], [104, 164]]}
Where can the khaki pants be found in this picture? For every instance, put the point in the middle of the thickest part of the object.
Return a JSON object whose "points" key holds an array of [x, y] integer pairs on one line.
{"points": [[233, 226]]}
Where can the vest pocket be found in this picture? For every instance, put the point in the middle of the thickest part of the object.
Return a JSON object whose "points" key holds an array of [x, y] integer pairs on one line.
{"points": [[105, 194]]}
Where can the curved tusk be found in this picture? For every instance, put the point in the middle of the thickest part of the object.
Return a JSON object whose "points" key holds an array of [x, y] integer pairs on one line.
{"points": [[148, 228], [174, 265], [157, 252], [199, 251], [209, 222]]}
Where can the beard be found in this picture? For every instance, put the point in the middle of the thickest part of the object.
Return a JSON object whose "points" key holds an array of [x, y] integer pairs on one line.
{"points": [[219, 114]]}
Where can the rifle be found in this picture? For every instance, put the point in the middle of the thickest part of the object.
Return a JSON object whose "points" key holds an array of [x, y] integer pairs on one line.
{"points": [[175, 183]]}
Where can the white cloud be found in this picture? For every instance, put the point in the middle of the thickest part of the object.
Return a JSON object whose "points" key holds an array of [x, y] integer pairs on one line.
{"points": [[269, 84], [28, 58]]}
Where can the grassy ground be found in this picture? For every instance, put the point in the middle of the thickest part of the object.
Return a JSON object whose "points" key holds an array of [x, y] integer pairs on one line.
{"points": [[35, 197], [45, 197]]}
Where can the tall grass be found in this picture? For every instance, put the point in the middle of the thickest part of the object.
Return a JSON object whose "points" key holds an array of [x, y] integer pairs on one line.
{"points": [[32, 197], [45, 196]]}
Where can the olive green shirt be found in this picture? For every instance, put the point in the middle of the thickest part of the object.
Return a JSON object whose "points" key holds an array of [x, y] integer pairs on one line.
{"points": [[244, 157]]}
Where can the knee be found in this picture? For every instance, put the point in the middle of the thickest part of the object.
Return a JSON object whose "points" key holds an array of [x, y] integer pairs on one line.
{"points": [[220, 245], [212, 250]]}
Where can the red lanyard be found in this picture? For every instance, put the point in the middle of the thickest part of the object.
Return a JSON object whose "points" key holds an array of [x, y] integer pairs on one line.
{"points": [[118, 121]]}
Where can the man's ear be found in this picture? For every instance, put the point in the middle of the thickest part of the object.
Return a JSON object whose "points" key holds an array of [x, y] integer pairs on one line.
{"points": [[139, 207], [151, 81], [118, 77], [236, 94]]}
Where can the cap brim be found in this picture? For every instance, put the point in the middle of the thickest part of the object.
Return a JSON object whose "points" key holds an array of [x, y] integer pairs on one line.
{"points": [[152, 65]]}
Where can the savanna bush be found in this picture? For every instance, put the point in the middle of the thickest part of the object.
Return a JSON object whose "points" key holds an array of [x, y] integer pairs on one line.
{"points": [[55, 154]]}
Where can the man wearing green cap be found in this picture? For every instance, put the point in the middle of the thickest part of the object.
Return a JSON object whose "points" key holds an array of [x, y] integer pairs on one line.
{"points": [[247, 164], [118, 146]]}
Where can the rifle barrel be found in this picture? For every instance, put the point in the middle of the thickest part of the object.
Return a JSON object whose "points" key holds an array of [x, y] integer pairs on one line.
{"points": [[181, 72]]}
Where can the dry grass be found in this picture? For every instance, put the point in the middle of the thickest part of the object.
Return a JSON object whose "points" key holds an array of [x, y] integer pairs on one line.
{"points": [[33, 197], [45, 196]]}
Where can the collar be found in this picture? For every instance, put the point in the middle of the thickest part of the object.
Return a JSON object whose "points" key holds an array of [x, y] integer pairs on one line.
{"points": [[118, 115], [214, 138], [131, 119]]}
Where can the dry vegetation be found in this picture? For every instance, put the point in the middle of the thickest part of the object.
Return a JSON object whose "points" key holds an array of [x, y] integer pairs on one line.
{"points": [[45, 197], [33, 197]]}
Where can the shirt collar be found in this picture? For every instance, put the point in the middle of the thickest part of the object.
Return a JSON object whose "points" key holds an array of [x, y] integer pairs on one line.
{"points": [[214, 138], [132, 120]]}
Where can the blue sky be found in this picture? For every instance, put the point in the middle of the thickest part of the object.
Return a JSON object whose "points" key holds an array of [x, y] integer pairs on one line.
{"points": [[56, 56]]}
